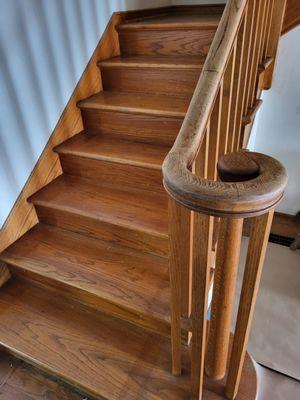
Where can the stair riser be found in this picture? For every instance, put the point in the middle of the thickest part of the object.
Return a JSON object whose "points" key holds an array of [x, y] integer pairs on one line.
{"points": [[154, 80], [161, 42], [92, 301], [131, 126], [112, 173], [109, 232]]}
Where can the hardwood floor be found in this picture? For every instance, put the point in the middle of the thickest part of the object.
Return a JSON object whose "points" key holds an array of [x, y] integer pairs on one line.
{"points": [[19, 381]]}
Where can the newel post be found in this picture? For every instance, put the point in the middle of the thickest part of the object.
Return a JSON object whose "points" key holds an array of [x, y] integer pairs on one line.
{"points": [[250, 186]]}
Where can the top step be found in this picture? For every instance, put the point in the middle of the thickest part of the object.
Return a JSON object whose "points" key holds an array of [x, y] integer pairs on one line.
{"points": [[178, 22], [174, 34]]}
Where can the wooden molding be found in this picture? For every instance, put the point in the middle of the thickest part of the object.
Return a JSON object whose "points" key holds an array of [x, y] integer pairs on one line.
{"points": [[23, 216]]}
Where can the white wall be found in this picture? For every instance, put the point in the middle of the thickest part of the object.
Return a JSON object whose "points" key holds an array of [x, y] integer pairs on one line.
{"points": [[44, 48], [277, 130]]}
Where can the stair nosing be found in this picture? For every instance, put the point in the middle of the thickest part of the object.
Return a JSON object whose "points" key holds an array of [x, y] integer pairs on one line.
{"points": [[132, 110], [143, 65], [111, 159], [166, 26]]}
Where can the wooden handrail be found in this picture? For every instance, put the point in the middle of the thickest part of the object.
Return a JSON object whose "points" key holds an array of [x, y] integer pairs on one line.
{"points": [[197, 193], [176, 166]]}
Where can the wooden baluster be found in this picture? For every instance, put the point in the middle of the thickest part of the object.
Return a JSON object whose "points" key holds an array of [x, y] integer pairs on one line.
{"points": [[259, 235], [201, 266], [238, 132], [201, 164], [179, 237], [202, 245], [275, 33], [230, 233], [253, 78], [214, 135], [249, 43], [234, 127], [265, 30], [253, 42], [231, 168], [226, 102], [269, 22]]}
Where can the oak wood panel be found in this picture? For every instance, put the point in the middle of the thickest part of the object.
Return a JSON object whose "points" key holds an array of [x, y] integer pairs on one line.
{"points": [[130, 126], [162, 42], [98, 147], [176, 21], [135, 218], [127, 283], [113, 174], [155, 80], [23, 216], [114, 162]]}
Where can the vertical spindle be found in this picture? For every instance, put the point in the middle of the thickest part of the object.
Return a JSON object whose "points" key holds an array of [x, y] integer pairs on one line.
{"points": [[259, 235]]}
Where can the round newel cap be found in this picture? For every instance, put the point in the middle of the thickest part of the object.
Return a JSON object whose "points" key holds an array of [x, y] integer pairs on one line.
{"points": [[237, 167], [250, 184]]}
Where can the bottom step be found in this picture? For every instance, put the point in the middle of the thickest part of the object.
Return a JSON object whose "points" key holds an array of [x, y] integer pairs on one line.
{"points": [[101, 356]]}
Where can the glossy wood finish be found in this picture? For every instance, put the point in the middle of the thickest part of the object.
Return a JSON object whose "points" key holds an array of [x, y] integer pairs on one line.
{"points": [[135, 116], [113, 161], [170, 35], [105, 276], [134, 218], [106, 358], [167, 75]]}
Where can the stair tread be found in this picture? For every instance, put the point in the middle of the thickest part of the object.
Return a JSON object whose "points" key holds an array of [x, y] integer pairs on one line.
{"points": [[143, 103], [177, 21], [136, 209], [101, 356], [168, 62], [126, 277], [100, 147]]}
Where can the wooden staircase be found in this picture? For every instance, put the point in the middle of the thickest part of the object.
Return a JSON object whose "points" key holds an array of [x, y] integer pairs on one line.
{"points": [[89, 297]]}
